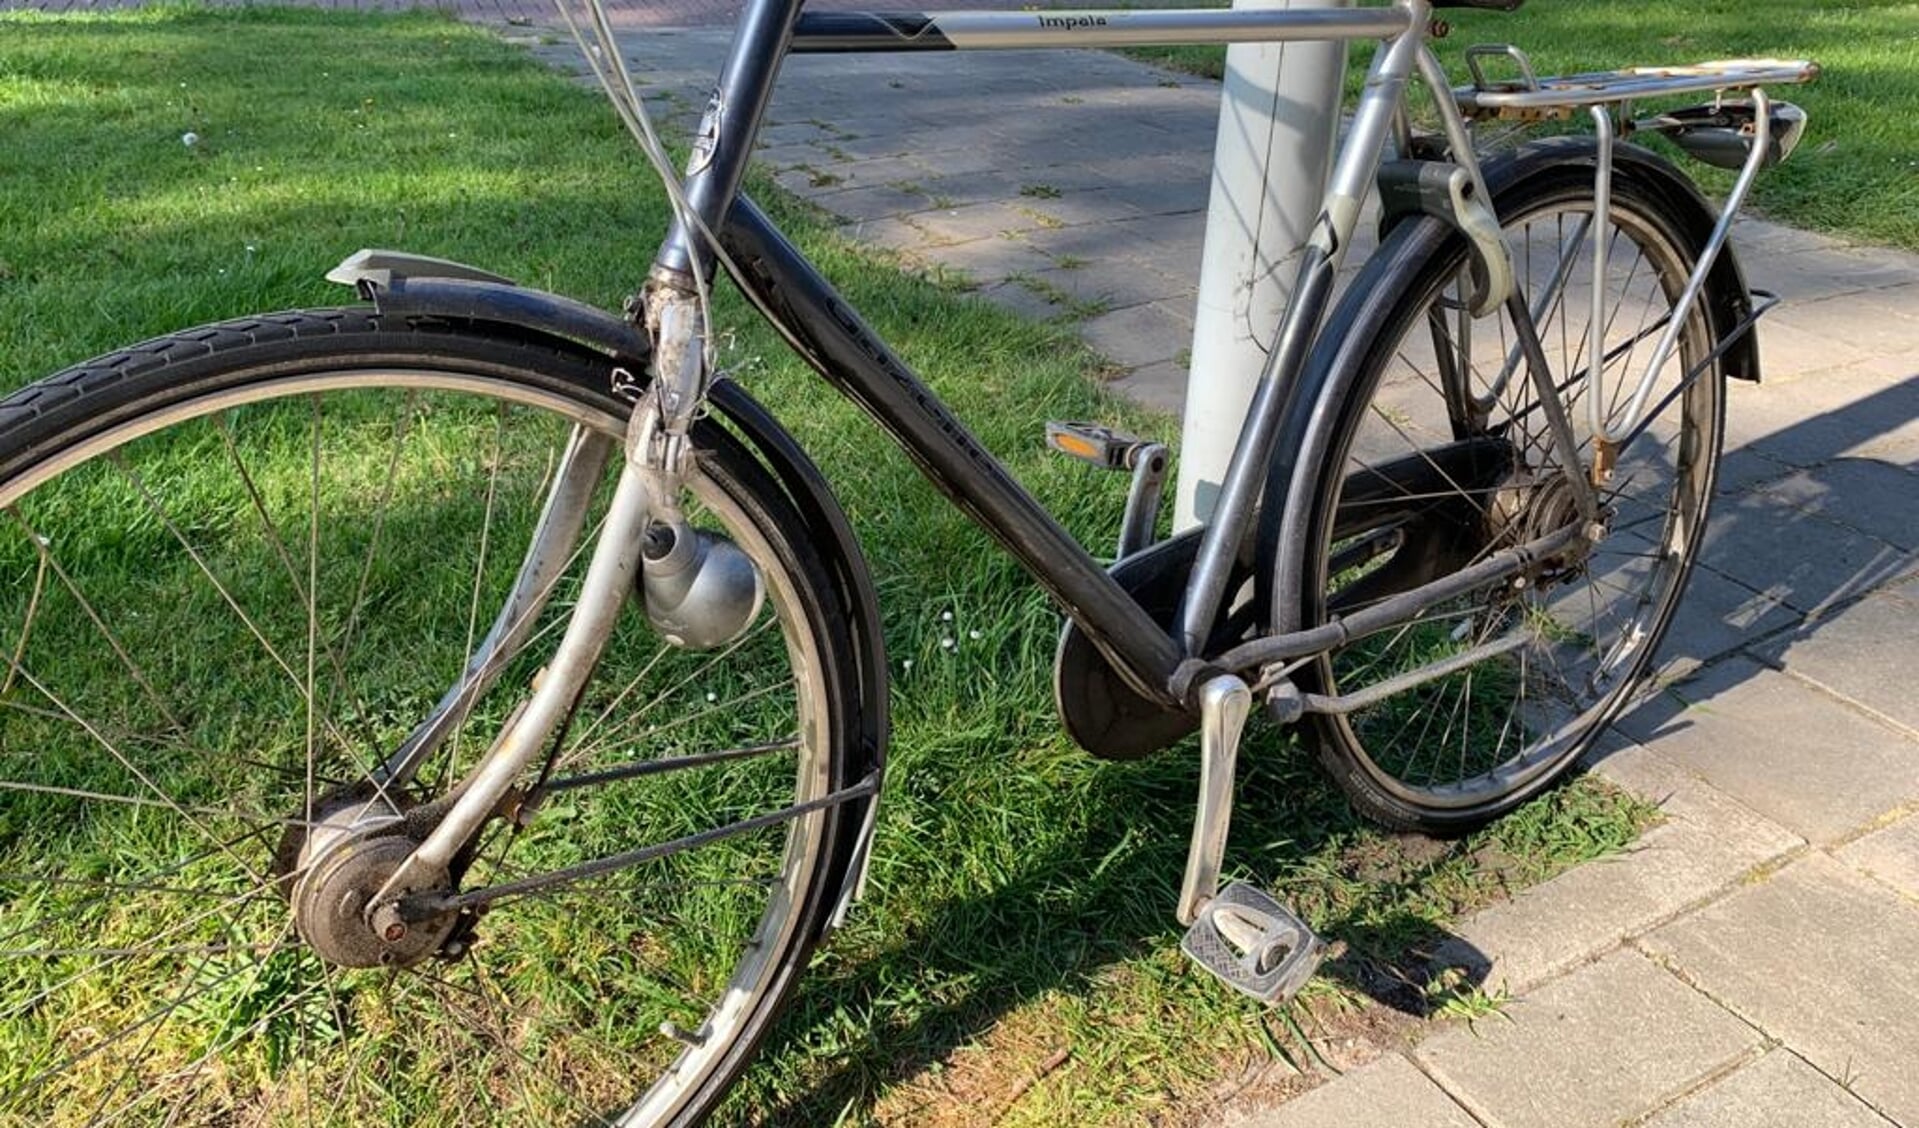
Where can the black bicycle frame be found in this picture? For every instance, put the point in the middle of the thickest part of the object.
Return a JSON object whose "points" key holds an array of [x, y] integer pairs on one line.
{"points": [[824, 328]]}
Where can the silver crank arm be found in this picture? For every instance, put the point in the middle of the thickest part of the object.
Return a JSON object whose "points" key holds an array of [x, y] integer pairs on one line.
{"points": [[1224, 703]]}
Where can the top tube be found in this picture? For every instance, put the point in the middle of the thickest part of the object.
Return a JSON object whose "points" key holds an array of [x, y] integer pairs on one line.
{"points": [[841, 32]]}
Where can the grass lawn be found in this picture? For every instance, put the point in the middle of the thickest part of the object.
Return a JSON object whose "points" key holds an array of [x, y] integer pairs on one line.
{"points": [[1857, 171], [1016, 958]]}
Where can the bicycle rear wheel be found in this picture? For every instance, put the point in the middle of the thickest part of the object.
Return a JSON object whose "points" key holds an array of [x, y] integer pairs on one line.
{"points": [[237, 565], [1439, 454]]}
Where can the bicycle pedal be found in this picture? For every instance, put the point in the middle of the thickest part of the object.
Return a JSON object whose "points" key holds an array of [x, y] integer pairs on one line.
{"points": [[1101, 446], [1254, 944]]}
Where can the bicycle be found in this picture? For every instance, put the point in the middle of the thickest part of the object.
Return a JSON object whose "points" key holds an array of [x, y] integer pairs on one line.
{"points": [[1447, 511]]}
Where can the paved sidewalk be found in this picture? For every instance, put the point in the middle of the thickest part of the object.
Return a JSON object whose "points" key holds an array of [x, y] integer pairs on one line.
{"points": [[1751, 962]]}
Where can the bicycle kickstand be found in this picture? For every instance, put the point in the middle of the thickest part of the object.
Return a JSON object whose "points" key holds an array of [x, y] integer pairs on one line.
{"points": [[1240, 934]]}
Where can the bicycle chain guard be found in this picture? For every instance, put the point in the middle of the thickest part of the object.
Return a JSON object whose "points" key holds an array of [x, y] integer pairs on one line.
{"points": [[1102, 712]]}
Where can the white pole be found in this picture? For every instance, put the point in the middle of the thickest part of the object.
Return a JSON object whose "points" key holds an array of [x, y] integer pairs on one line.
{"points": [[1278, 119]]}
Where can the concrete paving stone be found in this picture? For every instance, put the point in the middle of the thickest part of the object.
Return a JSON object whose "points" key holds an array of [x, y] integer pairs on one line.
{"points": [[1884, 322], [1180, 261], [1765, 240], [1796, 276], [1867, 494], [1081, 135], [1778, 1091], [1800, 265], [1855, 410], [1890, 854], [1805, 561], [1781, 747], [1165, 197], [1576, 1051], [793, 133], [894, 234], [1160, 386], [1138, 335], [1742, 468], [1716, 615], [1858, 321], [1879, 267], [1820, 958], [986, 186], [1151, 239], [893, 172], [1705, 843], [820, 184], [1388, 1092], [1110, 286], [1788, 348], [975, 221], [875, 202], [1084, 244], [958, 162], [1864, 652], [991, 260], [1009, 294], [852, 146], [779, 158], [1073, 207], [1893, 369]]}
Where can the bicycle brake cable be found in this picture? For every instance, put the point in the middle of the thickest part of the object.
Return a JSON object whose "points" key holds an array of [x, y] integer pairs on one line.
{"points": [[603, 57]]}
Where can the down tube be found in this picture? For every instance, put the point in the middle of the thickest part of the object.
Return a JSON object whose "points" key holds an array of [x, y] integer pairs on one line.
{"points": [[846, 351]]}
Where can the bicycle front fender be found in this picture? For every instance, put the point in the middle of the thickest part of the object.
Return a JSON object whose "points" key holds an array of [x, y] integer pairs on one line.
{"points": [[404, 285]]}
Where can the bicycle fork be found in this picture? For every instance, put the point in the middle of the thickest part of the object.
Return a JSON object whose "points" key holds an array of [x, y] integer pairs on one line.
{"points": [[701, 591]]}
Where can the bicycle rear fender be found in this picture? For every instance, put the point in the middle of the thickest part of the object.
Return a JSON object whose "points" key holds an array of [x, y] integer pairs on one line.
{"points": [[1727, 303], [404, 285], [1727, 300]]}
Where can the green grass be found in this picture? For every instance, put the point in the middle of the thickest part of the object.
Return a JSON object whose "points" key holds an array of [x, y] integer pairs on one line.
{"points": [[1856, 173], [1017, 952]]}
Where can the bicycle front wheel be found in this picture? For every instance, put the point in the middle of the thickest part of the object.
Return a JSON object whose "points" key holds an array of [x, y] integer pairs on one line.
{"points": [[1441, 454], [237, 567]]}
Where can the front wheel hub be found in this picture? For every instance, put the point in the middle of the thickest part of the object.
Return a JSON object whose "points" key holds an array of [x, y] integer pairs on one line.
{"points": [[349, 857]]}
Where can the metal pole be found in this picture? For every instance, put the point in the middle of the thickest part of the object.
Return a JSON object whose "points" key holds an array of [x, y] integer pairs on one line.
{"points": [[1278, 120]]}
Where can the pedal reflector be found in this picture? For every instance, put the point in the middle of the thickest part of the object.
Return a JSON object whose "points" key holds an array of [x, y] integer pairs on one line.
{"points": [[1090, 442]]}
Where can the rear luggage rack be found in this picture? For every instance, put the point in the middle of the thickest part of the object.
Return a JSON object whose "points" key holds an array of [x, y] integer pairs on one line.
{"points": [[1528, 98]]}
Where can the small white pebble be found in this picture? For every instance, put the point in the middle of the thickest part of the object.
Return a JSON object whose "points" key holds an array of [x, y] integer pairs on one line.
{"points": [[974, 635], [946, 616], [905, 665], [251, 248], [189, 138], [946, 643], [712, 697]]}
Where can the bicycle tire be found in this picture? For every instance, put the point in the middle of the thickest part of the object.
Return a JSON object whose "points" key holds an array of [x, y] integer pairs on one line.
{"points": [[1393, 425], [130, 730]]}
